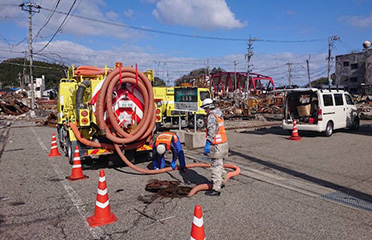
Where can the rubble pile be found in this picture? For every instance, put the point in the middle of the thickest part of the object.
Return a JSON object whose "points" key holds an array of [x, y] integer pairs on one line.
{"points": [[12, 105], [364, 106], [249, 107], [17, 106]]}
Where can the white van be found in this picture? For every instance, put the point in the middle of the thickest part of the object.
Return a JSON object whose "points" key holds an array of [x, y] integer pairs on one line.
{"points": [[320, 110]]}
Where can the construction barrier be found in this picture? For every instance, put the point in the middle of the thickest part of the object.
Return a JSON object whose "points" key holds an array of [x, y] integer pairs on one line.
{"points": [[54, 148], [77, 170], [102, 213], [295, 136], [197, 229]]}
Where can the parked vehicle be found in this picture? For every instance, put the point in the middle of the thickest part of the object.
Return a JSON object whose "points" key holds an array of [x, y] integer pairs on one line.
{"points": [[167, 116], [320, 110], [76, 107]]}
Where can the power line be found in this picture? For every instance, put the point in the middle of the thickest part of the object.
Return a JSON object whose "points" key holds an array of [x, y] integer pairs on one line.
{"points": [[182, 34], [59, 28], [28, 65], [48, 19]]}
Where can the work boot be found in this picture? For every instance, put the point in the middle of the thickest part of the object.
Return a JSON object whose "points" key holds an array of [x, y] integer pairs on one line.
{"points": [[213, 193]]}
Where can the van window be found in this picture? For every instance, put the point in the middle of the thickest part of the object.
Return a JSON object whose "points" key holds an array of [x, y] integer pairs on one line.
{"points": [[204, 95], [328, 100], [349, 101], [338, 100]]}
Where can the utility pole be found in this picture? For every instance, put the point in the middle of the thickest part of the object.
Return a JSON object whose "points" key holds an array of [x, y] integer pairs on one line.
{"points": [[20, 78], [236, 81], [24, 72], [207, 66], [308, 71], [249, 55], [331, 39], [30, 7], [289, 74]]}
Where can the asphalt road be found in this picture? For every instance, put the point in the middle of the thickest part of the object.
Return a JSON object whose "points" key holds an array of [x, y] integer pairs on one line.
{"points": [[282, 193]]}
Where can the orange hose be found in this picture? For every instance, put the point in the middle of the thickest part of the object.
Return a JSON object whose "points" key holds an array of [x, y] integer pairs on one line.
{"points": [[208, 186], [89, 71], [200, 187]]}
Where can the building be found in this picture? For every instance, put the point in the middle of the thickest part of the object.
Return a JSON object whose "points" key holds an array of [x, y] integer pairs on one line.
{"points": [[354, 71], [39, 85]]}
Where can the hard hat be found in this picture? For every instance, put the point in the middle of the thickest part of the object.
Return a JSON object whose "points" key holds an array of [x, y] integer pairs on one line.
{"points": [[207, 103], [160, 149]]}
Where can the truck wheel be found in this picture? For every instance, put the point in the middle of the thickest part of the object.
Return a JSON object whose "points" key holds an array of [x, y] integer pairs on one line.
{"points": [[71, 151], [356, 124], [200, 121], [329, 129], [130, 155]]}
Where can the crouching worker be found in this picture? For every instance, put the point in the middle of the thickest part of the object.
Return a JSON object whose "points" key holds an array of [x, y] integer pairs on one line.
{"points": [[216, 145], [164, 142]]}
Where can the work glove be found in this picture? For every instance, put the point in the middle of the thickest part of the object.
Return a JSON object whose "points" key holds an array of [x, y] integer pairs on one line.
{"points": [[207, 147], [173, 165]]}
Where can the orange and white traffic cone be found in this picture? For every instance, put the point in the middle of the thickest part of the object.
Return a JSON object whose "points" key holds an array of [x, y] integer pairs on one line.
{"points": [[197, 229], [77, 171], [102, 214], [54, 148], [295, 135]]}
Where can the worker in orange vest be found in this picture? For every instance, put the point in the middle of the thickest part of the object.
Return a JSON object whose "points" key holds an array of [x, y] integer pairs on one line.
{"points": [[164, 142], [216, 145]]}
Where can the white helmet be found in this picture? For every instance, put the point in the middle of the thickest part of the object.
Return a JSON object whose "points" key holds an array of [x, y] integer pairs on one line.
{"points": [[160, 149], [207, 103]]}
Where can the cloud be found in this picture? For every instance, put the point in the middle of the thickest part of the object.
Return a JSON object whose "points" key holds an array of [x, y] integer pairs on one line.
{"points": [[270, 64], [129, 13], [358, 21], [73, 25], [210, 14]]}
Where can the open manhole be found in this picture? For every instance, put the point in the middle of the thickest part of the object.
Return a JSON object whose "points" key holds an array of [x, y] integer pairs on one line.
{"points": [[164, 189]]}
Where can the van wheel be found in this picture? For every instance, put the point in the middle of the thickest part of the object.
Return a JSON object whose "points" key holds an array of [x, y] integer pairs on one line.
{"points": [[356, 124], [329, 129]]}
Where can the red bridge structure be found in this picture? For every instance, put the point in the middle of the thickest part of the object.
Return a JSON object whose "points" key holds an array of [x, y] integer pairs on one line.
{"points": [[224, 82]]}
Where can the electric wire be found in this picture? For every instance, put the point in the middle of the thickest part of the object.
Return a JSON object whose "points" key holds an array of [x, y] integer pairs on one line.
{"points": [[59, 28], [48, 19], [182, 34]]}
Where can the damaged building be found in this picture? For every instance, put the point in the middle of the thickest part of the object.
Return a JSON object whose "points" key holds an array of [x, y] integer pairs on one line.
{"points": [[354, 71]]}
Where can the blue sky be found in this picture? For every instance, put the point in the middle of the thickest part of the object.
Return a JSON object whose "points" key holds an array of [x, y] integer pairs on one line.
{"points": [[170, 35]]}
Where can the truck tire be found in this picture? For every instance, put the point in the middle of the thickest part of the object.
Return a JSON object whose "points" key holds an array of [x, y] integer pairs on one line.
{"points": [[71, 150], [329, 129], [200, 121]]}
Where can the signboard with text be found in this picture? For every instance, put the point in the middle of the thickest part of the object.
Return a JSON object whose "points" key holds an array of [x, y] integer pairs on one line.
{"points": [[186, 99]]}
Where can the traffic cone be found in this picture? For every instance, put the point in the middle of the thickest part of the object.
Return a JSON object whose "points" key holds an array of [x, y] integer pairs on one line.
{"points": [[77, 171], [197, 229], [54, 148], [295, 136], [102, 214]]}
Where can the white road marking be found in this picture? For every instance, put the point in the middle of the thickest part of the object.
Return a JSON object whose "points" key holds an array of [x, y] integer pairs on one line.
{"points": [[97, 233]]}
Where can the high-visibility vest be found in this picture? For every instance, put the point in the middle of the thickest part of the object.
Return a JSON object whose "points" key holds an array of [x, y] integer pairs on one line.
{"points": [[221, 133], [166, 138]]}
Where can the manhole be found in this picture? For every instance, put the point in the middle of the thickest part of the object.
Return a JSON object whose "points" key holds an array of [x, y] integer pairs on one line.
{"points": [[164, 189], [349, 201]]}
